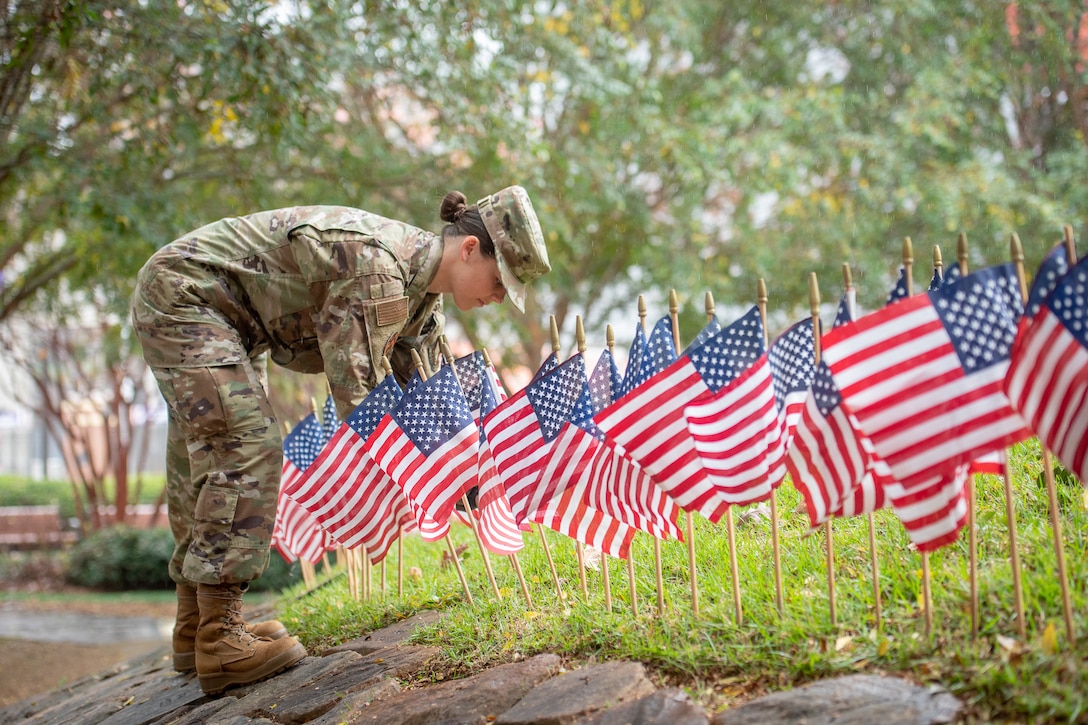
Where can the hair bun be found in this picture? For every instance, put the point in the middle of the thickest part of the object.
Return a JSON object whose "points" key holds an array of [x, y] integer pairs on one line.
{"points": [[454, 206]]}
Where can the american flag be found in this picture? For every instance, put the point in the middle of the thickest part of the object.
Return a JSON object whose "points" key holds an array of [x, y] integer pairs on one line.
{"points": [[522, 430], [635, 353], [742, 431], [429, 445], [900, 291], [550, 363], [295, 533], [346, 491], [610, 485], [936, 280], [924, 379], [793, 365], [618, 486], [993, 462], [498, 530], [933, 510], [830, 462], [560, 499], [330, 419], [649, 424], [710, 329], [659, 353], [569, 515], [1048, 379]]}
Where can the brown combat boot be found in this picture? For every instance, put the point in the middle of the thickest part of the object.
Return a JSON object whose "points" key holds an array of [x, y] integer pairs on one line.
{"points": [[189, 618], [226, 653]]}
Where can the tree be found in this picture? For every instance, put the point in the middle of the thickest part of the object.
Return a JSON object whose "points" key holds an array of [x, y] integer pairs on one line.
{"points": [[695, 145]]}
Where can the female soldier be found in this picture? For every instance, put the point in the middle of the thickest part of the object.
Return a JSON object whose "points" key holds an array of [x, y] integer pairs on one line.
{"points": [[320, 289]]}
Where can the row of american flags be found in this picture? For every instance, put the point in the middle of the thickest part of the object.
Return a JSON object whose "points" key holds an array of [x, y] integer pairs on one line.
{"points": [[896, 408]]}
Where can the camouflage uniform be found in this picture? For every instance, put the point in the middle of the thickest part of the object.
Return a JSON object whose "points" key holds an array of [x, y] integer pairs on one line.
{"points": [[319, 289]]}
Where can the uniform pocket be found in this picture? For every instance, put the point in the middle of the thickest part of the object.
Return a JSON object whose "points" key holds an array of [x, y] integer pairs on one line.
{"points": [[216, 505], [216, 400]]}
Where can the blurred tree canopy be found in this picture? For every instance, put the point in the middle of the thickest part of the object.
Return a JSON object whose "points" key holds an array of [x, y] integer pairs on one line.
{"points": [[694, 145]]}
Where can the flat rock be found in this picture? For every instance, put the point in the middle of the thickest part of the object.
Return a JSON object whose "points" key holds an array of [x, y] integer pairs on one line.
{"points": [[850, 700], [396, 633], [471, 701], [665, 707], [564, 699]]}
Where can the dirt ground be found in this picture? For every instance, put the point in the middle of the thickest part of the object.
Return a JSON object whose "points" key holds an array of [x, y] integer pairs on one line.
{"points": [[30, 668]]}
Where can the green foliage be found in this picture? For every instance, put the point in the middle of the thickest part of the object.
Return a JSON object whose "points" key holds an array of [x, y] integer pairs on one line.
{"points": [[122, 557], [20, 491], [720, 656]]}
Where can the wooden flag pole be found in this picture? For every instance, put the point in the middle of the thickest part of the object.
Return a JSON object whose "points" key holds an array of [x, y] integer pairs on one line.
{"points": [[448, 354], [610, 340], [1016, 251], [425, 373], [969, 493], [606, 583], [775, 548], [730, 530], [1048, 473], [927, 600], [674, 316], [829, 540], [657, 542], [513, 558], [579, 547], [540, 527], [870, 517], [400, 562]]}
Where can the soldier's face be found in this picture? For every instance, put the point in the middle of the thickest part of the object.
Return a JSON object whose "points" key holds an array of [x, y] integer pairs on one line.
{"points": [[477, 282]]}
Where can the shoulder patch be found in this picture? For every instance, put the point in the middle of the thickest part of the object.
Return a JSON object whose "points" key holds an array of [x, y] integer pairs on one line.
{"points": [[392, 312]]}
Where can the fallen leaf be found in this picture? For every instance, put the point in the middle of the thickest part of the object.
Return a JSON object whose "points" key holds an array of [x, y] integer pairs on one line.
{"points": [[1050, 639], [1008, 643], [883, 646], [843, 642]]}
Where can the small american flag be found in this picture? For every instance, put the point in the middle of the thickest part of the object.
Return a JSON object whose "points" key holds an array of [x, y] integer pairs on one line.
{"points": [[429, 445], [659, 353], [616, 485], [295, 533], [346, 491], [924, 378], [1048, 379], [635, 353], [742, 430], [522, 430], [649, 424], [900, 291], [827, 460], [580, 461], [498, 530]]}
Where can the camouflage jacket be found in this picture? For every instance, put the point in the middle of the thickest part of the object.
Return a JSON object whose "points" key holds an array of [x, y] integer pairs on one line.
{"points": [[320, 288]]}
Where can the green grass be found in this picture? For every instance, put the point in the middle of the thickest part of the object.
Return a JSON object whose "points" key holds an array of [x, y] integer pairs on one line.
{"points": [[998, 674]]}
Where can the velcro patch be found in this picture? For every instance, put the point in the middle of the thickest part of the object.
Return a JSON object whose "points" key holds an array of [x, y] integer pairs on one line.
{"points": [[391, 312]]}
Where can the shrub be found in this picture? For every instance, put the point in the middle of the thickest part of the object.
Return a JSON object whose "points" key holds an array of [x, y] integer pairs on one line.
{"points": [[122, 558]]}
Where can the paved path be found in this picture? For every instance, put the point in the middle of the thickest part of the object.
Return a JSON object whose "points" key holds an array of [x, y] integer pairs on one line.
{"points": [[367, 681]]}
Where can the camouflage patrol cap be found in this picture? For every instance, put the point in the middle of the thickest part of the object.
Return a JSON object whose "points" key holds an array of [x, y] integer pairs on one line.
{"points": [[519, 244]]}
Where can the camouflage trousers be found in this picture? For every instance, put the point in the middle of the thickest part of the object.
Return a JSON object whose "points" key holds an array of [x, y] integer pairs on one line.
{"points": [[223, 464]]}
